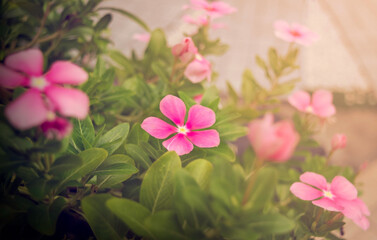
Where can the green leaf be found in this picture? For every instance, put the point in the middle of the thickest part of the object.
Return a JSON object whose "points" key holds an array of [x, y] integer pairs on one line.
{"points": [[138, 154], [189, 102], [129, 15], [38, 188], [104, 223], [210, 95], [112, 140], [151, 151], [156, 45], [131, 213], [91, 159], [200, 170], [64, 163], [117, 169], [103, 23], [273, 223], [274, 61], [31, 8], [137, 135], [232, 93], [223, 151], [157, 187], [230, 131], [43, 217], [83, 134], [250, 87]]}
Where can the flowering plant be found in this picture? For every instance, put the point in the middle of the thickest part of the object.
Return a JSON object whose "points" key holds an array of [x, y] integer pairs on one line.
{"points": [[144, 147]]}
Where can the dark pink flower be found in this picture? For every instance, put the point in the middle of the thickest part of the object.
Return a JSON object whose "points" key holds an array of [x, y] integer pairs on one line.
{"points": [[198, 70], [45, 95], [320, 104], [57, 128], [213, 9], [185, 50], [339, 196], [142, 37], [272, 142], [294, 33], [199, 117], [339, 141]]}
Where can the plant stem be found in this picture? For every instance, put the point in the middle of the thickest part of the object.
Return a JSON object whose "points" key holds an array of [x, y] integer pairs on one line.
{"points": [[249, 188], [173, 69]]}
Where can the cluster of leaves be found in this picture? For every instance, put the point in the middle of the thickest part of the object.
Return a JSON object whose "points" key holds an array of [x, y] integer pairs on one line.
{"points": [[112, 180]]}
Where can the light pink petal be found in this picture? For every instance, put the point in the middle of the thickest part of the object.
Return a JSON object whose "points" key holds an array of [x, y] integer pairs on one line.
{"points": [[218, 25], [322, 103], [362, 222], [328, 204], [190, 20], [289, 138], [68, 101], [222, 8], [64, 72], [142, 37], [204, 139], [300, 100], [283, 31], [200, 117], [356, 210], [198, 70], [339, 141], [198, 4], [27, 111], [29, 61], [362, 206], [10, 78], [314, 179], [174, 109], [342, 188], [158, 128], [305, 192], [179, 144]]}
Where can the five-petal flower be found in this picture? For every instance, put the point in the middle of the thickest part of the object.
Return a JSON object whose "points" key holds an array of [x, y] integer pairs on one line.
{"points": [[294, 33]]}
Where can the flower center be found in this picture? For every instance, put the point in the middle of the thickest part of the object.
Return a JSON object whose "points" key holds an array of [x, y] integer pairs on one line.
{"points": [[328, 194], [295, 33], [38, 82], [198, 57], [182, 130], [309, 109], [50, 116]]}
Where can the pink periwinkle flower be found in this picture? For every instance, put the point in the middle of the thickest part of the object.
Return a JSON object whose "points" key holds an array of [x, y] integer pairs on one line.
{"points": [[339, 196], [213, 9], [272, 142], [185, 50], [320, 104], [142, 37], [45, 95], [294, 33], [339, 141], [57, 128], [198, 70], [199, 117], [202, 21], [198, 98]]}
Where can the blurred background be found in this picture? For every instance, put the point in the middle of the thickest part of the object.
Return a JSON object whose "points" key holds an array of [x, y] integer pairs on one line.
{"points": [[344, 61]]}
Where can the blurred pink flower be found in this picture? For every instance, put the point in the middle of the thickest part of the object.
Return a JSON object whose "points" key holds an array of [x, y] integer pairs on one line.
{"points": [[339, 196], [198, 98], [198, 70], [202, 21], [272, 142], [294, 33], [199, 117], [45, 95], [57, 128], [213, 9], [320, 104], [142, 37], [339, 141], [185, 50]]}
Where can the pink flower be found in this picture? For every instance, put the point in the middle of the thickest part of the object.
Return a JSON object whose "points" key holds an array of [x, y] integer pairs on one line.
{"points": [[213, 9], [185, 50], [57, 128], [198, 98], [339, 196], [273, 142], [294, 33], [320, 104], [198, 70], [202, 21], [199, 117], [142, 37], [45, 95], [339, 141]]}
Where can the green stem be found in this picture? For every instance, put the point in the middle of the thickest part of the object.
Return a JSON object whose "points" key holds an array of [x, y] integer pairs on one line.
{"points": [[173, 69], [249, 188]]}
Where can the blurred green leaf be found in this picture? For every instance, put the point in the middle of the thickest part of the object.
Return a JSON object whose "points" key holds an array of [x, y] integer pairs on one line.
{"points": [[129, 15], [200, 170], [103, 23], [273, 223], [114, 138], [138, 154]]}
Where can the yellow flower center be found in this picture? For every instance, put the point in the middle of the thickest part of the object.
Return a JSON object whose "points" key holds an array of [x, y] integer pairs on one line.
{"points": [[38, 82], [309, 109], [182, 130], [50, 116], [328, 194], [198, 57]]}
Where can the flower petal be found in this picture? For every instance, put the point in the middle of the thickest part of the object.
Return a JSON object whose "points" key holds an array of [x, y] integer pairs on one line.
{"points": [[204, 139], [10, 78], [200, 117], [174, 109], [328, 204], [58, 128], [198, 70], [343, 188], [322, 103], [179, 144], [314, 179], [68, 101], [64, 72], [305, 192], [158, 128], [27, 111], [29, 61], [300, 100]]}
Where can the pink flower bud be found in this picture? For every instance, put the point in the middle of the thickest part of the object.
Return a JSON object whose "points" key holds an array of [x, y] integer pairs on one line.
{"points": [[339, 141], [198, 70], [185, 50], [272, 142], [57, 128]]}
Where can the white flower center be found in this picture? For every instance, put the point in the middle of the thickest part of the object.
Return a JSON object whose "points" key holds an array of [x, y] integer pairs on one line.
{"points": [[198, 57], [309, 109], [38, 82], [182, 130], [50, 116], [328, 194]]}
